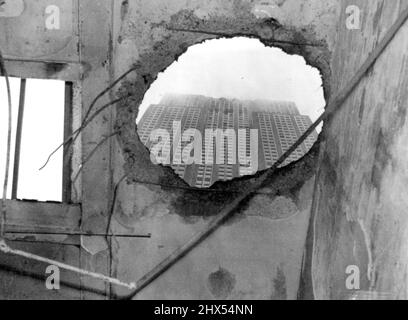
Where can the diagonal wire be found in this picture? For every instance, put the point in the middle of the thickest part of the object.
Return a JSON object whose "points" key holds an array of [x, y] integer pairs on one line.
{"points": [[93, 151], [228, 211], [109, 227], [72, 138], [6, 249]]}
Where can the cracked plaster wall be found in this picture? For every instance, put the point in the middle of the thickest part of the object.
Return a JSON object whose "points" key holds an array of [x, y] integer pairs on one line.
{"points": [[258, 254], [361, 197], [359, 200]]}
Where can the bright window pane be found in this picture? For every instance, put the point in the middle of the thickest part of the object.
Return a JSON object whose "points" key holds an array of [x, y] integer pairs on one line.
{"points": [[43, 130]]}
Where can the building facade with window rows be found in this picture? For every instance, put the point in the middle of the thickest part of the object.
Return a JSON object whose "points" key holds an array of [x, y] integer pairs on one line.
{"points": [[279, 125]]}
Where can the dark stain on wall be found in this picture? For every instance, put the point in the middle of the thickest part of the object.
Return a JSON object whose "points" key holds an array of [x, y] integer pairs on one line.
{"points": [[124, 9], [279, 285], [362, 106], [402, 110], [221, 283], [53, 68], [378, 14], [381, 158]]}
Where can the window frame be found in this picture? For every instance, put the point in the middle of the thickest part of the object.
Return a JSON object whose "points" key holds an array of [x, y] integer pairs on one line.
{"points": [[66, 196]]}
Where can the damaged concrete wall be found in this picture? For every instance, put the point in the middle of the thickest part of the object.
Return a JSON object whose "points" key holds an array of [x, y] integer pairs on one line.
{"points": [[359, 203], [257, 255], [361, 198]]}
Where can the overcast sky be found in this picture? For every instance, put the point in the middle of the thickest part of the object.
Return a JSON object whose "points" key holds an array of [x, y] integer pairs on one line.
{"points": [[241, 68]]}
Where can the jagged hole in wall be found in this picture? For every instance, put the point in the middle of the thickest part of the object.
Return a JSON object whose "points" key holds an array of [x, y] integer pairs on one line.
{"points": [[229, 108]]}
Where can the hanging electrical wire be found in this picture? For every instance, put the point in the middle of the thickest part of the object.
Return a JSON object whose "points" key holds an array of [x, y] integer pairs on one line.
{"points": [[3, 71], [88, 158], [72, 138], [333, 106], [3, 245], [6, 249]]}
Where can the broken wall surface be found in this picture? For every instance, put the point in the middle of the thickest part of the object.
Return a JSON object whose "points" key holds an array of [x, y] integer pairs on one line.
{"points": [[360, 203], [258, 254]]}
